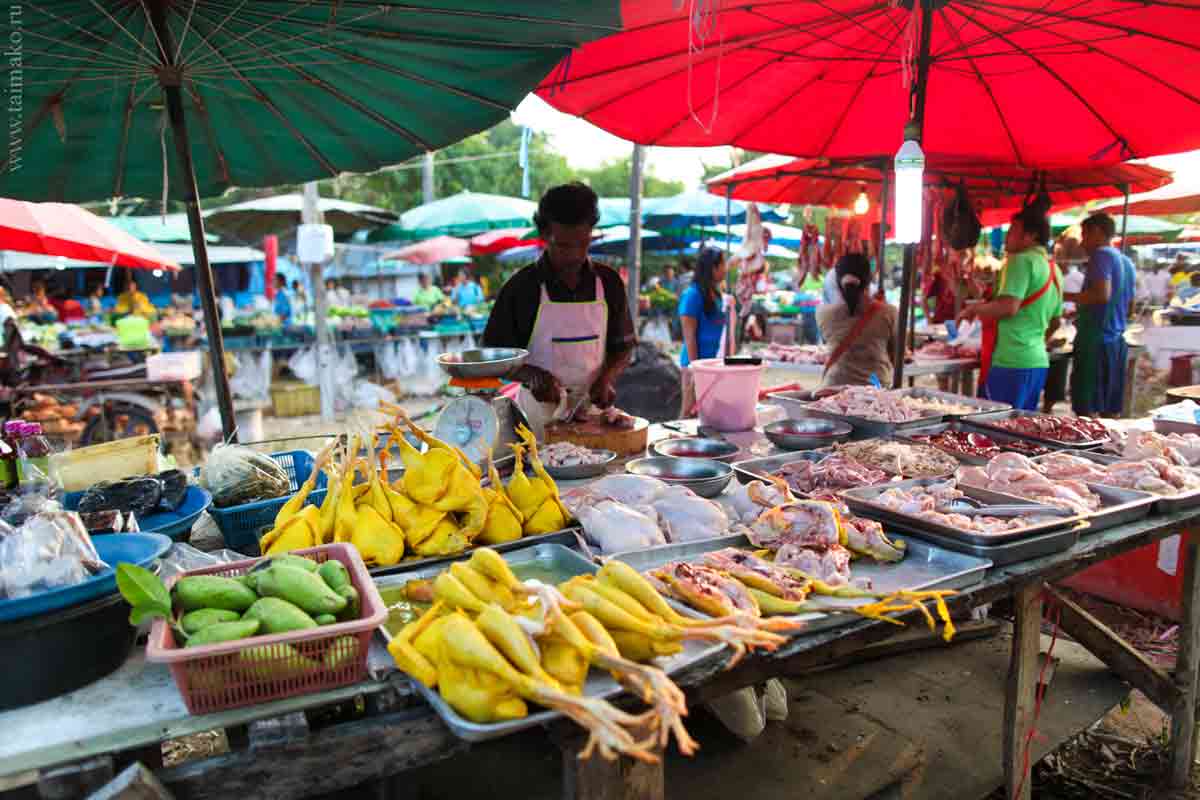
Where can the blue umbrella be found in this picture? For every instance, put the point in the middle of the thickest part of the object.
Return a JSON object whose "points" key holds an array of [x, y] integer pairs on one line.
{"points": [[697, 209]]}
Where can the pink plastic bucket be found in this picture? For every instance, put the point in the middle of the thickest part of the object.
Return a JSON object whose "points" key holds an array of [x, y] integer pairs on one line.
{"points": [[727, 396]]}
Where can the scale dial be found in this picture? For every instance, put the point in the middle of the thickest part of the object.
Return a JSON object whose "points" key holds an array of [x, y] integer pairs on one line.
{"points": [[470, 424]]}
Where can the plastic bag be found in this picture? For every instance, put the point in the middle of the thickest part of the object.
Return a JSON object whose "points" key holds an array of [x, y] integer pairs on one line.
{"points": [[236, 475], [141, 495], [387, 358], [303, 365], [183, 558], [50, 550], [27, 505], [657, 330], [369, 395], [410, 359], [253, 378]]}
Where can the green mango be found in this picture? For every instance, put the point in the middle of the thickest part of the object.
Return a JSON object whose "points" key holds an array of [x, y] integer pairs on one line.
{"points": [[212, 591], [278, 615], [342, 653], [249, 580], [304, 589], [295, 561], [224, 632], [201, 618], [325, 619], [274, 662], [353, 609], [334, 574]]}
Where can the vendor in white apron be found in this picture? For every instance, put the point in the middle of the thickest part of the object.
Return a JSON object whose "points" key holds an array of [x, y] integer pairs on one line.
{"points": [[569, 313]]}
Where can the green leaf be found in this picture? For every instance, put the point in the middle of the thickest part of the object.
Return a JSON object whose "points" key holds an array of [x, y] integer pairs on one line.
{"points": [[140, 614], [143, 590]]}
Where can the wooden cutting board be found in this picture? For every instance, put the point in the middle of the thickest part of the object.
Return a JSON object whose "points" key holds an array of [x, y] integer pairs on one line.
{"points": [[598, 436]]}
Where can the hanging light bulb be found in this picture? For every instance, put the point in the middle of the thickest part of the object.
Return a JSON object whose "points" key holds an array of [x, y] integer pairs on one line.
{"points": [[861, 203], [158, 273], [910, 179]]}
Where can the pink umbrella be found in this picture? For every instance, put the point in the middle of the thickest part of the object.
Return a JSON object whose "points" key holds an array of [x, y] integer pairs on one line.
{"points": [[61, 229], [431, 251], [500, 240]]}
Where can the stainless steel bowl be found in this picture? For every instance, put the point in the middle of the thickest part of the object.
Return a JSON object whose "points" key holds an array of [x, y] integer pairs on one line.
{"points": [[488, 362], [580, 471], [703, 476], [807, 433], [714, 449]]}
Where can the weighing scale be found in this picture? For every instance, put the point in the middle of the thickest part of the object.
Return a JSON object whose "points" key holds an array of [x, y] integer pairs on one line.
{"points": [[482, 419]]}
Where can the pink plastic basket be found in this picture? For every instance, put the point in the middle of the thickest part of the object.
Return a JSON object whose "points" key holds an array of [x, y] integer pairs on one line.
{"points": [[263, 668]]}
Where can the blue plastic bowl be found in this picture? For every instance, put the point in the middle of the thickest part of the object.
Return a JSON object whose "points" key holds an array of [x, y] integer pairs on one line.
{"points": [[176, 524], [136, 548]]}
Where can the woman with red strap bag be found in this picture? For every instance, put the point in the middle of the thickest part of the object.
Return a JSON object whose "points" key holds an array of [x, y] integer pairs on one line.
{"points": [[1028, 298], [860, 331]]}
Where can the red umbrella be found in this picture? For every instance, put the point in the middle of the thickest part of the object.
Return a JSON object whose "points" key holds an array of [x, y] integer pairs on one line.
{"points": [[61, 229], [779, 179], [1036, 82], [431, 251], [503, 239]]}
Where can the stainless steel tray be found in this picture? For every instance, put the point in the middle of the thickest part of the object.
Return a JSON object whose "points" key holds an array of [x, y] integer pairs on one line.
{"points": [[979, 405], [861, 500], [987, 420], [577, 472], [554, 558], [863, 428], [758, 469], [1003, 554], [567, 537], [925, 566], [1163, 504], [1118, 506], [996, 435]]}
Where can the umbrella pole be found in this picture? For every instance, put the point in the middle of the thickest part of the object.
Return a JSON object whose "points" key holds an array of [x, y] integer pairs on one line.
{"points": [[883, 213], [633, 250], [914, 132], [208, 296], [1125, 220]]}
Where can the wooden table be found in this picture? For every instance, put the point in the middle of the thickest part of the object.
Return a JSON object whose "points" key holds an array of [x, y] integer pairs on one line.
{"points": [[381, 728]]}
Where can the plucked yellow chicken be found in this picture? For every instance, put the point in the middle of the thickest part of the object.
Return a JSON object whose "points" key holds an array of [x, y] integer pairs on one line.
{"points": [[301, 530], [440, 477], [537, 497], [504, 521]]}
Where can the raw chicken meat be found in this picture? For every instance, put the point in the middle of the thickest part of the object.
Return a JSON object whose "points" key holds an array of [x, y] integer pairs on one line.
{"points": [[864, 537], [759, 574], [832, 472], [615, 527], [1072, 430], [685, 516], [830, 564], [806, 523], [566, 454], [749, 500], [704, 588], [1181, 449], [900, 458], [867, 402], [637, 490], [795, 353], [1013, 473], [1153, 474], [920, 502]]}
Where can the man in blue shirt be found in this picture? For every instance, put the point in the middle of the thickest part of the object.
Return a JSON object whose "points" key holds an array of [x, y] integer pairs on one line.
{"points": [[283, 303], [1098, 374], [468, 292]]}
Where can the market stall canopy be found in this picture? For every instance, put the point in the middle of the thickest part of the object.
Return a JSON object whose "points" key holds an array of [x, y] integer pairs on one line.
{"points": [[277, 92], [158, 228], [1181, 197], [464, 214], [996, 190], [503, 239], [252, 220], [696, 209], [62, 229], [615, 211], [431, 251], [1032, 82], [11, 261], [615, 241]]}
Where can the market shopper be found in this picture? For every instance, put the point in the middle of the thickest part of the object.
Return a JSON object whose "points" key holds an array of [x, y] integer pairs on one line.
{"points": [[569, 312], [467, 292], [1098, 371], [703, 316], [427, 295], [134, 302], [299, 299], [941, 294], [1159, 285], [859, 330], [283, 301], [1013, 359]]}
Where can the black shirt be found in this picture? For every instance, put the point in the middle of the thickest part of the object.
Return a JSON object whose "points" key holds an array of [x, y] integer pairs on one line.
{"points": [[516, 307]]}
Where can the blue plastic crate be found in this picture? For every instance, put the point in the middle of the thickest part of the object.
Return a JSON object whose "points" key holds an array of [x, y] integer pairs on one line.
{"points": [[243, 525]]}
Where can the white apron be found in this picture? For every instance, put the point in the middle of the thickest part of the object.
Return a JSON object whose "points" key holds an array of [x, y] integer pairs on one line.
{"points": [[568, 341]]}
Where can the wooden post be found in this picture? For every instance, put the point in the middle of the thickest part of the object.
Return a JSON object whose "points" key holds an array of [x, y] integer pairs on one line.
{"points": [[597, 779], [1019, 699], [1183, 716], [310, 214]]}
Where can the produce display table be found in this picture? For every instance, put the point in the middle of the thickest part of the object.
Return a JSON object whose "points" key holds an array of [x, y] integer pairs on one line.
{"points": [[961, 370], [381, 728]]}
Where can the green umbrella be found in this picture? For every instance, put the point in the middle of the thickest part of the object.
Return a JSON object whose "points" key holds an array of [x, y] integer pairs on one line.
{"points": [[271, 92], [157, 228], [466, 214]]}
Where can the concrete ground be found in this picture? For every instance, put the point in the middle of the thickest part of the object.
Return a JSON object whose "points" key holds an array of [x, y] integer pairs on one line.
{"points": [[919, 726]]}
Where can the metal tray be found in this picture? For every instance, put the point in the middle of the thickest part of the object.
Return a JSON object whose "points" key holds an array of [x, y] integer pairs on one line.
{"points": [[861, 500], [757, 469], [996, 435], [866, 428], [987, 419], [578, 472], [1004, 554], [925, 566], [980, 405], [567, 537], [1163, 504], [553, 558]]}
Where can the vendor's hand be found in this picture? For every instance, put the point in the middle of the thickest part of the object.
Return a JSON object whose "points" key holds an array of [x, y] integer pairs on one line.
{"points": [[544, 387], [603, 394], [966, 315]]}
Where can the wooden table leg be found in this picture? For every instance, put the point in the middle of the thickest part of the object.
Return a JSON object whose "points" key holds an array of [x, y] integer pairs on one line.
{"points": [[595, 778], [1020, 692], [1183, 716]]}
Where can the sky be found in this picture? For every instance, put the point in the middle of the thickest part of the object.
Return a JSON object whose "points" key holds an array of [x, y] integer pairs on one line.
{"points": [[586, 146]]}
